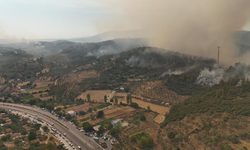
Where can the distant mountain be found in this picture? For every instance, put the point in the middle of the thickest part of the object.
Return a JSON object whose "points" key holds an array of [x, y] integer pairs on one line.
{"points": [[42, 48], [110, 36]]}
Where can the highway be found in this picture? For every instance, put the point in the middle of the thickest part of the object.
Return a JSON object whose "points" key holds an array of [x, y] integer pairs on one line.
{"points": [[73, 134]]}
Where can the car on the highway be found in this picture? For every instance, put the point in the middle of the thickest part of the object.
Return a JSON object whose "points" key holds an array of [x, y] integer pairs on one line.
{"points": [[79, 147]]}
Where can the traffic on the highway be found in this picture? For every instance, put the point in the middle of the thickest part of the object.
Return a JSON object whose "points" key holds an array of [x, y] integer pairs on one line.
{"points": [[70, 136]]}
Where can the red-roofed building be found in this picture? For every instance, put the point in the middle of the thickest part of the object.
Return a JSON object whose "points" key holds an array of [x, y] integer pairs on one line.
{"points": [[8, 130], [8, 123], [6, 118], [26, 127], [15, 135]]}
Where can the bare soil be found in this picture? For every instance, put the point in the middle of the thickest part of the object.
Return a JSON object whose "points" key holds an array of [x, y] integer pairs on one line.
{"points": [[158, 108], [96, 95], [157, 90], [83, 106], [159, 118]]}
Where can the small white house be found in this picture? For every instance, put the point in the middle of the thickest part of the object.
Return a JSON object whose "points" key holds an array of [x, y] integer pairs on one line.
{"points": [[72, 113], [116, 122]]}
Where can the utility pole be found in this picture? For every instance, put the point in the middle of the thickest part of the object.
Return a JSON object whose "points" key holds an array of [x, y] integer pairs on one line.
{"points": [[218, 60]]}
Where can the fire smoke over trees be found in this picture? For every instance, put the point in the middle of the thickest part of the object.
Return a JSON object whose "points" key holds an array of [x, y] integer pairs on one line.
{"points": [[190, 26]]}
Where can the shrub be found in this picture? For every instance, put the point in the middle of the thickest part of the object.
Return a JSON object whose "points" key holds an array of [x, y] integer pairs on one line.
{"points": [[87, 126], [100, 114], [171, 135], [142, 118], [135, 105]]}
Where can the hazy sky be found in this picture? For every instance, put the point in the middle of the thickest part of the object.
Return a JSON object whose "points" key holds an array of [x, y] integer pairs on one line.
{"points": [[52, 18], [58, 18]]}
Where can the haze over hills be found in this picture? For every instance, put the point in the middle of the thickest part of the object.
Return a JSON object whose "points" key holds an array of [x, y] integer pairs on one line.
{"points": [[59, 73]]}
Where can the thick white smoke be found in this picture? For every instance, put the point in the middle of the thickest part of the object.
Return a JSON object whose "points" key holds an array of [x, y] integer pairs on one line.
{"points": [[195, 27], [217, 74]]}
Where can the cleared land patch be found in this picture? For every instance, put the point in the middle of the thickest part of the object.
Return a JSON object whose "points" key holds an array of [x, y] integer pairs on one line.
{"points": [[96, 95], [159, 118], [159, 109]]}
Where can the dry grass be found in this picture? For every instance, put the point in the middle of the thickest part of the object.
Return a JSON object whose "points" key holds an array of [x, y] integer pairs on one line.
{"points": [[88, 74], [96, 95], [157, 90], [42, 84], [23, 83], [44, 97], [114, 112], [159, 118], [82, 106], [159, 109]]}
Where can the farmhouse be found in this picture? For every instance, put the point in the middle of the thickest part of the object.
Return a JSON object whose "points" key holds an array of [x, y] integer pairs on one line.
{"points": [[96, 128], [72, 113]]}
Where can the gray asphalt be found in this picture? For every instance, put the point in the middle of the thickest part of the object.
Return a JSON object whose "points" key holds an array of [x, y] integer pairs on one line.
{"points": [[74, 135]]}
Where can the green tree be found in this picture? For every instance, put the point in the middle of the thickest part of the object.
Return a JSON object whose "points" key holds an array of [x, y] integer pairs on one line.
{"points": [[88, 97], [100, 114], [142, 118], [32, 135], [128, 99], [87, 126], [116, 101], [101, 129], [147, 141], [24, 132], [37, 126], [50, 145], [68, 116], [6, 137], [90, 109], [45, 128], [112, 100], [148, 109], [135, 105], [82, 113], [50, 106], [133, 139], [171, 135], [2, 146], [105, 98]]}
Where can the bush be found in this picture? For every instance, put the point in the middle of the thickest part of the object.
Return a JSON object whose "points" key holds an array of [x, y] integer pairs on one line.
{"points": [[6, 137], [100, 114], [135, 105], [45, 128], [142, 118], [32, 135], [171, 135], [133, 139], [147, 141], [87, 126]]}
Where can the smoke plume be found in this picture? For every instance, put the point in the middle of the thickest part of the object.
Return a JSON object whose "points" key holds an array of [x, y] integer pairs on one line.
{"points": [[195, 27], [216, 75]]}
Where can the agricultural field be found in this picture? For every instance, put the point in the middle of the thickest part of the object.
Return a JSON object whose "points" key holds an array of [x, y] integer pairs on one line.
{"points": [[23, 83], [42, 84], [96, 95], [43, 96], [157, 108], [82, 106], [140, 128], [114, 112], [157, 90], [121, 97], [88, 74]]}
